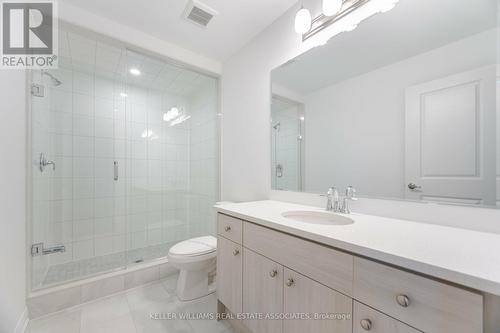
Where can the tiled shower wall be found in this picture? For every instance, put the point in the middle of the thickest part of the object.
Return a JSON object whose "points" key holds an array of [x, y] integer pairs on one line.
{"points": [[203, 158], [285, 146], [166, 174]]}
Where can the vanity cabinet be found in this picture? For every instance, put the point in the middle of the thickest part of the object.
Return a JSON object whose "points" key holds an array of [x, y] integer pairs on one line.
{"points": [[229, 274], [262, 291], [303, 295], [369, 320], [265, 271], [271, 289], [426, 304]]}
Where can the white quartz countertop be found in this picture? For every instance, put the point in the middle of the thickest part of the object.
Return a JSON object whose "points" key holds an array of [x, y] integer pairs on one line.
{"points": [[469, 258]]}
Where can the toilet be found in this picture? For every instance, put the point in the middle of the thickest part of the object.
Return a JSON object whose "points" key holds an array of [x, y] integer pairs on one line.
{"points": [[196, 260]]}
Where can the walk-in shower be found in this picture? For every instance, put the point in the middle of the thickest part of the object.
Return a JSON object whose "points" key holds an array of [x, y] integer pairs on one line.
{"points": [[287, 135], [123, 165]]}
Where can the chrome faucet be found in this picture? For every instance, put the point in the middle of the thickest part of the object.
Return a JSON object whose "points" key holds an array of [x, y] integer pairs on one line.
{"points": [[350, 195], [332, 199], [334, 202]]}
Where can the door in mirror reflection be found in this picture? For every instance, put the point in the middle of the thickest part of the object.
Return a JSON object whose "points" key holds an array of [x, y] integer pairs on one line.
{"points": [[450, 136]]}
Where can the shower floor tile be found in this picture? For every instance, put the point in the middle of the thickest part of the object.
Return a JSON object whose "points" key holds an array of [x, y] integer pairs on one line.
{"points": [[83, 268], [133, 311]]}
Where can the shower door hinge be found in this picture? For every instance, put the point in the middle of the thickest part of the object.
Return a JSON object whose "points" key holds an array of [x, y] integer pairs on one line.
{"points": [[38, 249]]}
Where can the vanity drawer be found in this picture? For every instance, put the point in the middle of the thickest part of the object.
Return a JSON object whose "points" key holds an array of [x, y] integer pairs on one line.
{"points": [[368, 319], [323, 264], [230, 227], [423, 303]]}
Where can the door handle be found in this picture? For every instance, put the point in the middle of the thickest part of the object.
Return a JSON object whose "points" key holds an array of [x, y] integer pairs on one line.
{"points": [[414, 187]]}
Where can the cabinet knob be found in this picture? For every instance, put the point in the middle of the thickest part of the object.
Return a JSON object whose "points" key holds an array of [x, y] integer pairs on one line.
{"points": [[236, 252], [403, 300], [366, 324], [289, 282], [273, 273], [227, 228]]}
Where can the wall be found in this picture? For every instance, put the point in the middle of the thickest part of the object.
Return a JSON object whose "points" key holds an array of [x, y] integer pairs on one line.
{"points": [[12, 199], [246, 100], [370, 131]]}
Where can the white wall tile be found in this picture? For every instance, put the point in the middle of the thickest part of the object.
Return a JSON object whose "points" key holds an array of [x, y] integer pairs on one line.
{"points": [[104, 127], [83, 125], [83, 209], [104, 168], [83, 167], [83, 146], [104, 227], [103, 207], [83, 249], [83, 229], [104, 147], [83, 83], [83, 105]]}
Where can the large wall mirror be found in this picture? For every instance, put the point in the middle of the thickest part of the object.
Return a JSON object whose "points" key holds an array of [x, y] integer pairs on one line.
{"points": [[405, 107]]}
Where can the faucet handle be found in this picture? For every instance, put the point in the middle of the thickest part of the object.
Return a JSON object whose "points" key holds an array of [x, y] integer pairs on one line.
{"points": [[350, 193]]}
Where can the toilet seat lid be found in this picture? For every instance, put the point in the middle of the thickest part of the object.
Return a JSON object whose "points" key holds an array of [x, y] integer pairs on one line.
{"points": [[195, 246]]}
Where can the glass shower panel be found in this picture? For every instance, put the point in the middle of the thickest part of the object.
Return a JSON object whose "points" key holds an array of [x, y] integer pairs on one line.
{"points": [[172, 184], [129, 148], [78, 202]]}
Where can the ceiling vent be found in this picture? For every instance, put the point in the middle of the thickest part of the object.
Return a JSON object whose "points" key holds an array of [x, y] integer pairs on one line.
{"points": [[199, 13]]}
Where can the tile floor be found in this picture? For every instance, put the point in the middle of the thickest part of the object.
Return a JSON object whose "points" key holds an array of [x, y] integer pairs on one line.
{"points": [[130, 312], [79, 269]]}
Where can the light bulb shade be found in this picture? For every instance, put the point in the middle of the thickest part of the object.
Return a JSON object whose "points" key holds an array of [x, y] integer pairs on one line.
{"points": [[331, 7], [303, 21]]}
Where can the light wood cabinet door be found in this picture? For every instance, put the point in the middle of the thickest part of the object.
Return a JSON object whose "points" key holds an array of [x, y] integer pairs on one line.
{"points": [[303, 296], [369, 320], [423, 303], [230, 227], [262, 292], [229, 274]]}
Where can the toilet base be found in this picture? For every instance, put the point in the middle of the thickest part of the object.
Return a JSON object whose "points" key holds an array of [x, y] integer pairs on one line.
{"points": [[194, 284]]}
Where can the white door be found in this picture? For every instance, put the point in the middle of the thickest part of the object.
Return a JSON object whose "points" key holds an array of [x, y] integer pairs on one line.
{"points": [[450, 139]]}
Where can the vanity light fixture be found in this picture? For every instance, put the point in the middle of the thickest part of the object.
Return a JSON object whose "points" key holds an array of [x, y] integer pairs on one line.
{"points": [[347, 17], [303, 21], [135, 71], [331, 7]]}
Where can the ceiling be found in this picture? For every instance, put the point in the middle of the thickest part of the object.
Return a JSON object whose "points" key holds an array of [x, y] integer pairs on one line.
{"points": [[411, 28], [236, 24], [86, 54]]}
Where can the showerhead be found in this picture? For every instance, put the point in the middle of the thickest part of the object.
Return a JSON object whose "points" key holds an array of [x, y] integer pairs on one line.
{"points": [[277, 126], [55, 81]]}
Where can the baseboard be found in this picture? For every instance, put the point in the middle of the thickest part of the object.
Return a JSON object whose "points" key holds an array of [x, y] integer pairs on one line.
{"points": [[22, 323]]}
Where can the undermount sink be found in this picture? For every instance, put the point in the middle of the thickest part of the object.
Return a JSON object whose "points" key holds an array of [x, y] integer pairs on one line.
{"points": [[317, 217]]}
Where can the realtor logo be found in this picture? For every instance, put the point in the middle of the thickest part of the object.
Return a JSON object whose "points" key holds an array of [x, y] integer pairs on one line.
{"points": [[28, 34]]}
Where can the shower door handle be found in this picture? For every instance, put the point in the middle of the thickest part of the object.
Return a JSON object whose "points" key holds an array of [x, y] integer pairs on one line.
{"points": [[115, 165]]}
